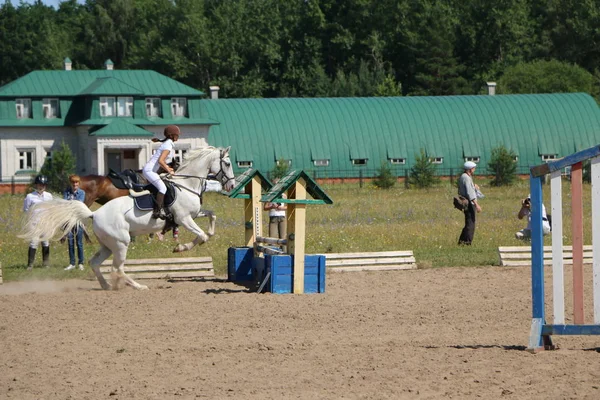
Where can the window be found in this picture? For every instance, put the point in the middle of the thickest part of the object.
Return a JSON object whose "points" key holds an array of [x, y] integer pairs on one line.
{"points": [[244, 164], [436, 160], [401, 161], [548, 157], [26, 157], [107, 106], [474, 159], [125, 106], [178, 106], [179, 154], [359, 161], [50, 108], [516, 158], [321, 163], [282, 161], [152, 107], [23, 108]]}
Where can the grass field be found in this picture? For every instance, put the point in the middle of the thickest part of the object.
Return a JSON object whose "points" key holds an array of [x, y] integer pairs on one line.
{"points": [[361, 219]]}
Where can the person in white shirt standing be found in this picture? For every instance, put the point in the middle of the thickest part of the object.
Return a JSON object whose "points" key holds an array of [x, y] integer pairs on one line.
{"points": [[160, 159], [38, 196]]}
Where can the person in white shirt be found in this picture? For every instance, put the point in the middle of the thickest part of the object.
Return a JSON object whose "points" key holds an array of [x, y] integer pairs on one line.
{"points": [[38, 196], [160, 159], [468, 189], [277, 221], [525, 211]]}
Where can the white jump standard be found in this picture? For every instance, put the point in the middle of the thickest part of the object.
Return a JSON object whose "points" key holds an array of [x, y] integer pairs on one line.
{"points": [[541, 330]]}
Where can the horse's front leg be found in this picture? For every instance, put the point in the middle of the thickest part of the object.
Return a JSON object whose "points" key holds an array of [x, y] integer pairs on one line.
{"points": [[212, 218], [201, 236]]}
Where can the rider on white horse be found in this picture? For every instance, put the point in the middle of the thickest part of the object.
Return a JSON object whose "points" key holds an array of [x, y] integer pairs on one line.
{"points": [[160, 159]]}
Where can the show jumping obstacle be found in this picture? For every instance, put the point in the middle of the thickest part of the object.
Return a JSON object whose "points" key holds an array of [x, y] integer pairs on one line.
{"points": [[165, 268], [541, 331], [285, 272]]}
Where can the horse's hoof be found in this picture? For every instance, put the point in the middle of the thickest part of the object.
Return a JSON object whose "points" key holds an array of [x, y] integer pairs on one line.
{"points": [[178, 249], [143, 287]]}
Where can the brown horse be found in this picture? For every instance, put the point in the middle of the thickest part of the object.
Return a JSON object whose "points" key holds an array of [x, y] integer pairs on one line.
{"points": [[99, 189]]}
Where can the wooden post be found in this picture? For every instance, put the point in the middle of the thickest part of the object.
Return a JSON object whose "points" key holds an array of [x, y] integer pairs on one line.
{"points": [[296, 226], [577, 229], [253, 212]]}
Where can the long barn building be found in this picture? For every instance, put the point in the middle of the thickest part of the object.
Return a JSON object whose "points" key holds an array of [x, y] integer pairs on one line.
{"points": [[337, 137], [107, 117]]}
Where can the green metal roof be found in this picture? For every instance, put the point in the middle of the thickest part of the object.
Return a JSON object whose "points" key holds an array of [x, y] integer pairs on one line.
{"points": [[110, 86], [120, 127], [62, 83], [452, 127]]}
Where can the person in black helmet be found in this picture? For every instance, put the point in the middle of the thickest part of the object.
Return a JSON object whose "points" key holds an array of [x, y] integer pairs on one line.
{"points": [[38, 196]]}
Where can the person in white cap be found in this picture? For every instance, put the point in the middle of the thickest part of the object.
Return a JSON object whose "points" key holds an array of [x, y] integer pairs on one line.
{"points": [[525, 211], [466, 188]]}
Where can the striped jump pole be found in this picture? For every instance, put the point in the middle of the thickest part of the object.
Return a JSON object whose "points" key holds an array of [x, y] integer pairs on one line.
{"points": [[541, 331], [270, 240]]}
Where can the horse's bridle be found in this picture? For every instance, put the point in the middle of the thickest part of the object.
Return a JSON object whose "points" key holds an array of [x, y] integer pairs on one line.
{"points": [[219, 175]]}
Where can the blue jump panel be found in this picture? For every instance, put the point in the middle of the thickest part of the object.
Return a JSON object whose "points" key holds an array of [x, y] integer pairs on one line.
{"points": [[239, 264], [282, 277]]}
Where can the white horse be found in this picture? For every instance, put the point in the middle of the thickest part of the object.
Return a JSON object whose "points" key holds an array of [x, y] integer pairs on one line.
{"points": [[119, 219]]}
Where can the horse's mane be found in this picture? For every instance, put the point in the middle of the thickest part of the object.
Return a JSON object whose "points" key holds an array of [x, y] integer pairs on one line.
{"points": [[195, 154]]}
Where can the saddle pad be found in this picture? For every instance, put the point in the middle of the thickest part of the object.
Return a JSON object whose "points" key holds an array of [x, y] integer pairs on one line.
{"points": [[146, 202]]}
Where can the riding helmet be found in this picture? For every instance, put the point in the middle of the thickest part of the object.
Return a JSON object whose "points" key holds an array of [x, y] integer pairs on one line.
{"points": [[41, 179]]}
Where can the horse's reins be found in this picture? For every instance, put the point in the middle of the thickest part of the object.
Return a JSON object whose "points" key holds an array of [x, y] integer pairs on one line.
{"points": [[219, 177]]}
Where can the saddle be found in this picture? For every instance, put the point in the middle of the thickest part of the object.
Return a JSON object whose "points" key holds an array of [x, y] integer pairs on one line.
{"points": [[127, 179], [146, 202]]}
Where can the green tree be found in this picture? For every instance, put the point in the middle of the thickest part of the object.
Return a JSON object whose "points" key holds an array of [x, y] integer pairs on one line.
{"points": [[384, 179], [503, 166], [547, 77], [280, 170], [58, 168], [422, 173]]}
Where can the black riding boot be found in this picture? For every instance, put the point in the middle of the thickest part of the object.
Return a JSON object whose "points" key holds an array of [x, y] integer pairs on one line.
{"points": [[30, 258], [158, 206], [46, 256]]}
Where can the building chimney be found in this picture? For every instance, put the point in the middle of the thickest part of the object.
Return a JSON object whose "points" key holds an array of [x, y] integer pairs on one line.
{"points": [[67, 64], [491, 88], [214, 92], [108, 65]]}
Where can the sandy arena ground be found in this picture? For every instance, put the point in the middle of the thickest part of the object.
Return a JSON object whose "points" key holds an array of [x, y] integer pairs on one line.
{"points": [[436, 333]]}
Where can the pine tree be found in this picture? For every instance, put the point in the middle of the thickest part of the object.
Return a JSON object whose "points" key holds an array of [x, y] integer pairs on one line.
{"points": [[280, 170], [385, 179], [502, 165], [422, 174]]}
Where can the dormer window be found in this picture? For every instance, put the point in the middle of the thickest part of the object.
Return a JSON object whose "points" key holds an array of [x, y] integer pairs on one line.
{"points": [[125, 106], [179, 106], [398, 161], [548, 157], [107, 106], [50, 108], [244, 164], [152, 107], [436, 160], [359, 161], [474, 159], [23, 108]]}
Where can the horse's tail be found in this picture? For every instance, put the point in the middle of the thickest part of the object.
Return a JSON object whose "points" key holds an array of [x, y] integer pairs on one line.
{"points": [[52, 219]]}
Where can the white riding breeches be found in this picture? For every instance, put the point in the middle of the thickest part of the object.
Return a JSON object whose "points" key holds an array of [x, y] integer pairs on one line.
{"points": [[154, 179]]}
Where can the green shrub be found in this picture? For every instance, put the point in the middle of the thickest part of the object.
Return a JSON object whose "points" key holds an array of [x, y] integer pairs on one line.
{"points": [[58, 169], [384, 179], [503, 166], [422, 174], [280, 170]]}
